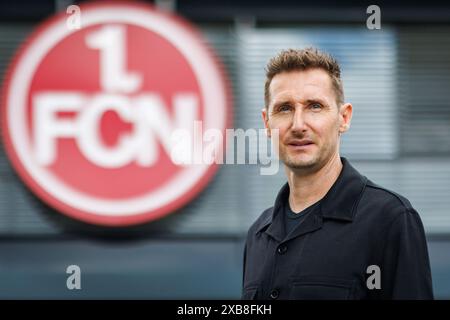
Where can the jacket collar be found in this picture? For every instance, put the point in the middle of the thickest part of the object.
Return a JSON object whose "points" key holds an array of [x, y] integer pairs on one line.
{"points": [[339, 203]]}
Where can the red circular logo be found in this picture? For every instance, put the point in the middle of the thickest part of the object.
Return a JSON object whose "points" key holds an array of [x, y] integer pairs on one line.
{"points": [[89, 113]]}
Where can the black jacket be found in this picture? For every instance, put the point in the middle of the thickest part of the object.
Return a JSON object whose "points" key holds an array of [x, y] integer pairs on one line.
{"points": [[357, 224]]}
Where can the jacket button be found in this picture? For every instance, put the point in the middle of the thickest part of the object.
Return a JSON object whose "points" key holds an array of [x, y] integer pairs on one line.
{"points": [[282, 249], [274, 294]]}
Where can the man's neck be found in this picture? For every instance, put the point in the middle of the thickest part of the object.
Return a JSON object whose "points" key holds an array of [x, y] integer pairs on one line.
{"points": [[306, 188]]}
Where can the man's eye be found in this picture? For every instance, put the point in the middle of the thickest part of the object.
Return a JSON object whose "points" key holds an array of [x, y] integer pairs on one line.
{"points": [[316, 106], [284, 108]]}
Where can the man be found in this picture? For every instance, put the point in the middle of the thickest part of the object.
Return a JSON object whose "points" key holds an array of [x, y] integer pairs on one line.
{"points": [[332, 233]]}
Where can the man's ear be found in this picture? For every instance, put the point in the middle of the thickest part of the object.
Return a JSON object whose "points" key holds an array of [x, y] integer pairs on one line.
{"points": [[345, 117], [265, 117]]}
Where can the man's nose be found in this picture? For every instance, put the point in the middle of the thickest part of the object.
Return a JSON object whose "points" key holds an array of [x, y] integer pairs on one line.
{"points": [[298, 121]]}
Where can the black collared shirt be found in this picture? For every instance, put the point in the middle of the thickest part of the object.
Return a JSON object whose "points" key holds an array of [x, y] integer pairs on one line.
{"points": [[360, 242]]}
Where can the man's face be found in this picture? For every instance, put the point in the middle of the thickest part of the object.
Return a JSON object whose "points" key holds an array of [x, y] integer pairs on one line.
{"points": [[303, 108]]}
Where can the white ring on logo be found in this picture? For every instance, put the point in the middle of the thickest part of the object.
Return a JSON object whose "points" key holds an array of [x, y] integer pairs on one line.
{"points": [[211, 86]]}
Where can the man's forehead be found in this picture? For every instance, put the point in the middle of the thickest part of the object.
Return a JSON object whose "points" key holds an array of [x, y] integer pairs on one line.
{"points": [[302, 84]]}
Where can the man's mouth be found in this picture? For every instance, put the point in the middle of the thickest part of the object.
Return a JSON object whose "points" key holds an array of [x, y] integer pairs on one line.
{"points": [[300, 142]]}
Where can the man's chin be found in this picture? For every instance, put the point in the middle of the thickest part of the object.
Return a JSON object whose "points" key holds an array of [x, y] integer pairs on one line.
{"points": [[299, 164]]}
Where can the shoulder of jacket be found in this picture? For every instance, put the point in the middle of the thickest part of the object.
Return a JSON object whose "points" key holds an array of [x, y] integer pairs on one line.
{"points": [[263, 219], [386, 197]]}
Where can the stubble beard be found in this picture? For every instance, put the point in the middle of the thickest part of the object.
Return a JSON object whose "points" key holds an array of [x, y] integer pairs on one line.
{"points": [[312, 162], [296, 162]]}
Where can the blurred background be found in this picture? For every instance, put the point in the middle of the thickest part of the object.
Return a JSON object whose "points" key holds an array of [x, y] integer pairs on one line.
{"points": [[397, 78]]}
